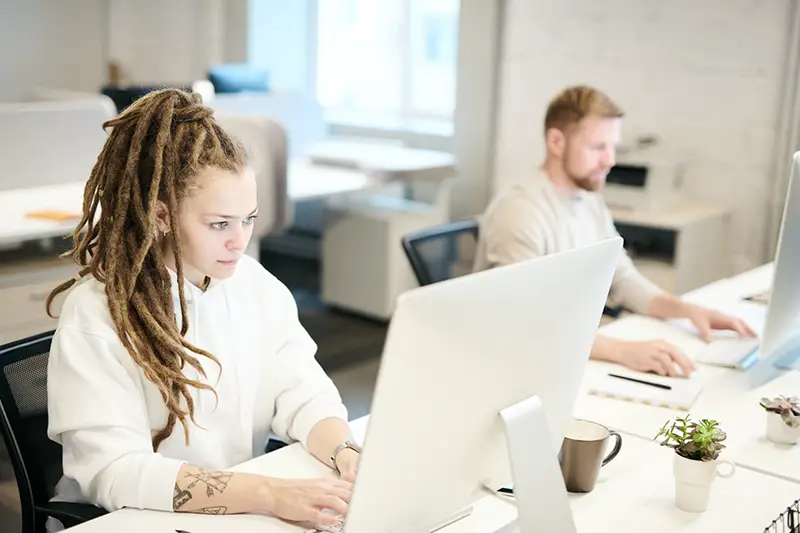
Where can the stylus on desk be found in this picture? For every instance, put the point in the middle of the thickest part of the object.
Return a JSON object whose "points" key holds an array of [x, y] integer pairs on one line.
{"points": [[643, 382]]}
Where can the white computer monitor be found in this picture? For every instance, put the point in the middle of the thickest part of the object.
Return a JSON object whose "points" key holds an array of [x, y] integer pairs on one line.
{"points": [[457, 354], [779, 347]]}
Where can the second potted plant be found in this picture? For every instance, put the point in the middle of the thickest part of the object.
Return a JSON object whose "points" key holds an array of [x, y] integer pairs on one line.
{"points": [[783, 419], [697, 445]]}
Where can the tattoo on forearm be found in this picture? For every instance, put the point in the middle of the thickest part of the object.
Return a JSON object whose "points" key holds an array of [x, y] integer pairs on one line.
{"points": [[213, 510], [180, 497], [215, 482]]}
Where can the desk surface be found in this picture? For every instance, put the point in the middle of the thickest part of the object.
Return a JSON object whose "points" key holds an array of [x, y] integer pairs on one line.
{"points": [[386, 158], [306, 182], [627, 497], [726, 394]]}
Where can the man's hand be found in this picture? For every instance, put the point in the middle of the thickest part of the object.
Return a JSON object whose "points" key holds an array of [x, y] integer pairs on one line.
{"points": [[653, 356], [707, 320]]}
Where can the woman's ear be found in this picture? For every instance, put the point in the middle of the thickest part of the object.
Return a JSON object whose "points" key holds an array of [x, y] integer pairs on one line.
{"points": [[162, 218]]}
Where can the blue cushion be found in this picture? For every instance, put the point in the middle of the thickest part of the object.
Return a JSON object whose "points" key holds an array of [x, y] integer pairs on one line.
{"points": [[238, 77]]}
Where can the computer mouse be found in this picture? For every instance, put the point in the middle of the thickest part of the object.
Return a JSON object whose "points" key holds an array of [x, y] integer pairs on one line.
{"points": [[680, 373]]}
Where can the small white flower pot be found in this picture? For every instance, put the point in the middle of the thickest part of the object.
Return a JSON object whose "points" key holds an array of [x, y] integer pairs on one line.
{"points": [[693, 481], [778, 431]]}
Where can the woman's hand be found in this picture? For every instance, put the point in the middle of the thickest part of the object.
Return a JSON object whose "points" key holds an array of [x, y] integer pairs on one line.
{"points": [[347, 461], [304, 500]]}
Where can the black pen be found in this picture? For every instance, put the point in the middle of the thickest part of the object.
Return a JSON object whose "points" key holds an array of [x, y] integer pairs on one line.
{"points": [[643, 382]]}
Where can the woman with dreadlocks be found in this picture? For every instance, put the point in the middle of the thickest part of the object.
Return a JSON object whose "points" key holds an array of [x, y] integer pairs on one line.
{"points": [[176, 355]]}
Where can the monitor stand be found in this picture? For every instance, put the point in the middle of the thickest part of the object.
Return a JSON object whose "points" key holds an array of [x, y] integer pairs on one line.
{"points": [[782, 359], [789, 358], [539, 490]]}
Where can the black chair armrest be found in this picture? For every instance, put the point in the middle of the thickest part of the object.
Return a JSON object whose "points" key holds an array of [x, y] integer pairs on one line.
{"points": [[71, 514], [274, 444]]}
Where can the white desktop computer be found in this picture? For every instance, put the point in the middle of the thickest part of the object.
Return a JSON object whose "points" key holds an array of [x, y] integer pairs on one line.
{"points": [[476, 388], [779, 347]]}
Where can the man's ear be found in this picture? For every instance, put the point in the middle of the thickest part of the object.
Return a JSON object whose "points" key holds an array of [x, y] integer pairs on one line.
{"points": [[162, 218], [556, 141]]}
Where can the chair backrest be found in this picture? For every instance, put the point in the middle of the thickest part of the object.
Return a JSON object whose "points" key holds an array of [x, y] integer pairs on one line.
{"points": [[442, 252], [23, 420], [70, 132], [266, 142]]}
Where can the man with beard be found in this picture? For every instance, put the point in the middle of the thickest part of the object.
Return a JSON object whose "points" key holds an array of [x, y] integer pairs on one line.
{"points": [[559, 208]]}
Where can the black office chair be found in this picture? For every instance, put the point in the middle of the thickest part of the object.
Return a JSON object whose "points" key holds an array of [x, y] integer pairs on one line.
{"points": [[23, 425], [433, 253]]}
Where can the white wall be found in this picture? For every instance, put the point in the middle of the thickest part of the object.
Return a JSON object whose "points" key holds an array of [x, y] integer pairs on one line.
{"points": [[704, 76], [237, 31], [479, 39], [51, 42], [66, 43], [166, 42]]}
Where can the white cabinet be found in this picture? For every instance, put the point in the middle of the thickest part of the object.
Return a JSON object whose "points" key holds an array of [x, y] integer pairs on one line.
{"points": [[681, 249], [25, 283]]}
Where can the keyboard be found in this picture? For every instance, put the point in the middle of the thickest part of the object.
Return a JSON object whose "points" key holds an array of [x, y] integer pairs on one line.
{"points": [[738, 353], [726, 348], [338, 528]]}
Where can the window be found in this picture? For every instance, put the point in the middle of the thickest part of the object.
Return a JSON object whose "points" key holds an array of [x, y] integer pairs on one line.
{"points": [[390, 61]]}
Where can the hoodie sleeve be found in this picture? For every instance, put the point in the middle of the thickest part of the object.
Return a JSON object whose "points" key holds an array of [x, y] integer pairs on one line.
{"points": [[98, 415], [304, 394]]}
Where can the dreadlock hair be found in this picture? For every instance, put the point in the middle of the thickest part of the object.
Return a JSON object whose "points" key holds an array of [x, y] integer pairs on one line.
{"points": [[155, 149]]}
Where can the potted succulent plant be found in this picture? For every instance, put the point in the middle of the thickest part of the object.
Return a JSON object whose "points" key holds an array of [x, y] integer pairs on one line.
{"points": [[697, 445], [783, 419]]}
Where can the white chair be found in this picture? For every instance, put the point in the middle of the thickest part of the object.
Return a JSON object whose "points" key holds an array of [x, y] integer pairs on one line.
{"points": [[266, 144], [51, 142], [53, 94], [300, 115], [206, 91]]}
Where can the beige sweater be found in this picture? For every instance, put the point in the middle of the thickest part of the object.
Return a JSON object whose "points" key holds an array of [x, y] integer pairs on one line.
{"points": [[532, 218]]}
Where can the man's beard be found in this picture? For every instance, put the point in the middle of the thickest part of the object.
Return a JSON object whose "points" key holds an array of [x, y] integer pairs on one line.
{"points": [[584, 182], [587, 183]]}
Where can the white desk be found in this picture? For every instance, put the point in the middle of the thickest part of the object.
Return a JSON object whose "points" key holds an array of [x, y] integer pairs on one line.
{"points": [[726, 395], [389, 161], [634, 493], [745, 422], [305, 182], [16, 228]]}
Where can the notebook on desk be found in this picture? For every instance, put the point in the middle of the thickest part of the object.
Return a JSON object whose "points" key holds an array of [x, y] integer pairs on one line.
{"points": [[681, 396], [54, 215]]}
